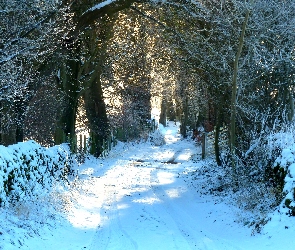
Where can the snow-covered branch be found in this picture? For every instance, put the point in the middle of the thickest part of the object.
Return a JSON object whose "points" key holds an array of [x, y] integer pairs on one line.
{"points": [[108, 7]]}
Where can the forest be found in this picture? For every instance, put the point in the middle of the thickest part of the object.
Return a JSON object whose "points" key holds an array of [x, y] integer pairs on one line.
{"points": [[77, 68]]}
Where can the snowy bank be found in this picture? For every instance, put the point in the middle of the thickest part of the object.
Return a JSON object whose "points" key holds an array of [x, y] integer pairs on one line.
{"points": [[28, 170]]}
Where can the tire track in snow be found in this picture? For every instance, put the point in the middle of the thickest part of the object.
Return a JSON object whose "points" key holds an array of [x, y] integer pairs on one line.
{"points": [[159, 219], [111, 235], [170, 209], [195, 236]]}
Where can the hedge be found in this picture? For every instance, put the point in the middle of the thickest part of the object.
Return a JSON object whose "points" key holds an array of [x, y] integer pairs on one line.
{"points": [[27, 170]]}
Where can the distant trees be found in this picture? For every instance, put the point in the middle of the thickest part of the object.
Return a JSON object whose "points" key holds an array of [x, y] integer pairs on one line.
{"points": [[126, 81]]}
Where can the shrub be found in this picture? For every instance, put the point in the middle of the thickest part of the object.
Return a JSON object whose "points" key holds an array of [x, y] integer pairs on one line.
{"points": [[285, 164], [27, 169]]}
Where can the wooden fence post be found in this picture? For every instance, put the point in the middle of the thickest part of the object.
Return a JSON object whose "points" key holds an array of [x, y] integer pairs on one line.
{"points": [[81, 143], [73, 144], [153, 125], [204, 145], [109, 143], [85, 144]]}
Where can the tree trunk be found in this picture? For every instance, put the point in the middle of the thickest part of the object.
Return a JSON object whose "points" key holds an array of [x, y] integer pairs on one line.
{"points": [[216, 137], [96, 114], [184, 120], [93, 95], [234, 92], [163, 115], [19, 134], [70, 86], [290, 105]]}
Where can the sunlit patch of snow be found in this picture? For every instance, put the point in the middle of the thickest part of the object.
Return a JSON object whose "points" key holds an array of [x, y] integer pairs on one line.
{"points": [[147, 200], [185, 156], [174, 192], [171, 136], [83, 211], [87, 171], [170, 139], [122, 206], [130, 191], [84, 218], [165, 178], [164, 155], [169, 132]]}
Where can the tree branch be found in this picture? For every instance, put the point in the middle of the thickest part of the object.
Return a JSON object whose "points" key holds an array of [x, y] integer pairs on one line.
{"points": [[108, 7]]}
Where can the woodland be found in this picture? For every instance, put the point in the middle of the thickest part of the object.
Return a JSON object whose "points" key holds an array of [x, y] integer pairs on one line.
{"points": [[73, 66]]}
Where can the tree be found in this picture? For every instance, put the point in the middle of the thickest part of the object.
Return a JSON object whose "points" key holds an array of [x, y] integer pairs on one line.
{"points": [[22, 50], [234, 90]]}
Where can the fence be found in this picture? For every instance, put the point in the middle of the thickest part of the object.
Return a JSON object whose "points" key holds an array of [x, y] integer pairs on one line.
{"points": [[82, 143]]}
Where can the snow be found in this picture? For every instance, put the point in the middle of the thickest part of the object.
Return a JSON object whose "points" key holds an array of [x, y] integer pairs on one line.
{"points": [[142, 196], [100, 5]]}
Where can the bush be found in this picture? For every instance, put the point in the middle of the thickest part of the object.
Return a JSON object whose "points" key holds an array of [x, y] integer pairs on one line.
{"points": [[156, 138], [27, 170], [259, 180], [286, 162]]}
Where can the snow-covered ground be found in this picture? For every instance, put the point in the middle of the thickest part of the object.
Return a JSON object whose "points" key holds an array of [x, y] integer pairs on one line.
{"points": [[140, 196]]}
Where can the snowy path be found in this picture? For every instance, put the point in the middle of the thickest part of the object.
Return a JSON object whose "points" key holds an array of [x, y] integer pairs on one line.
{"points": [[140, 211], [148, 202], [147, 198]]}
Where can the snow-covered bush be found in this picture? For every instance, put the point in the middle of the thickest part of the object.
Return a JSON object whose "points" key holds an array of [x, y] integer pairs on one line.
{"points": [[286, 165], [274, 154], [256, 186], [156, 138], [27, 169]]}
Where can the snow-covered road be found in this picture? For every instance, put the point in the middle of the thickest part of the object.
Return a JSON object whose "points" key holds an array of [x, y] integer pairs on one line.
{"points": [[144, 210], [146, 200]]}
